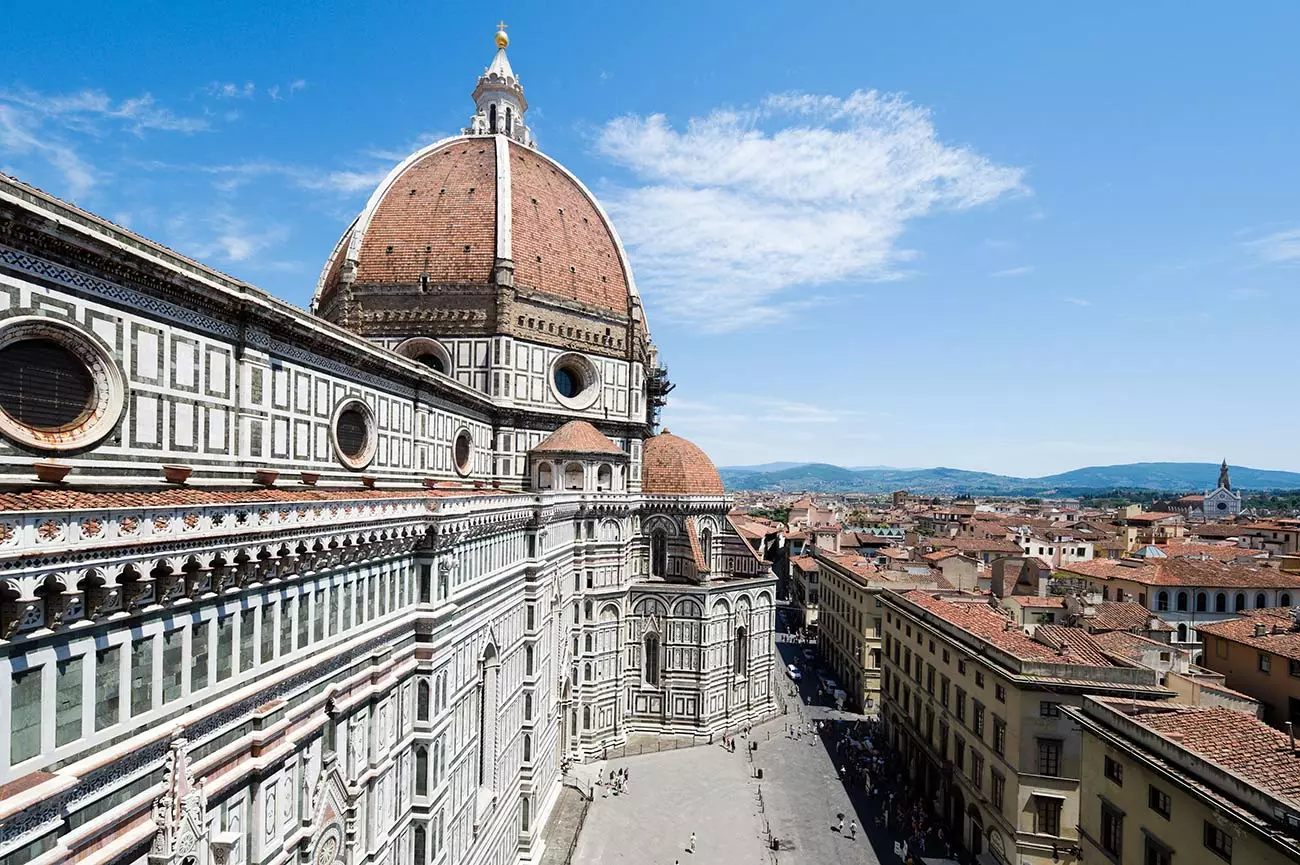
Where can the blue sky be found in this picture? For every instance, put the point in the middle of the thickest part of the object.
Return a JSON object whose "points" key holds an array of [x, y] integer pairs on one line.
{"points": [[1013, 237]]}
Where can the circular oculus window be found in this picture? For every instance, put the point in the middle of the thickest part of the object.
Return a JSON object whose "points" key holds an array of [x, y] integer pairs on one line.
{"points": [[353, 432], [462, 452], [574, 381], [60, 389]]}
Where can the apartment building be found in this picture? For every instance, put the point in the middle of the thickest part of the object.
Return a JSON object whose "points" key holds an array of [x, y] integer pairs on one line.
{"points": [[804, 593], [849, 623], [1258, 653], [974, 706], [1158, 786]]}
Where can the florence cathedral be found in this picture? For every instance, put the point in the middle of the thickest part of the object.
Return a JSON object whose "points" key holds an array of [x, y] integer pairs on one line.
{"points": [[350, 586]]}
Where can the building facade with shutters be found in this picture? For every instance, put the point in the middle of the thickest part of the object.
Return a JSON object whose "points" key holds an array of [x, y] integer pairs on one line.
{"points": [[350, 586]]}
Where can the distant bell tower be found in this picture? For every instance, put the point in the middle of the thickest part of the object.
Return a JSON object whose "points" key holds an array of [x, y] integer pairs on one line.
{"points": [[499, 98], [1224, 481]]}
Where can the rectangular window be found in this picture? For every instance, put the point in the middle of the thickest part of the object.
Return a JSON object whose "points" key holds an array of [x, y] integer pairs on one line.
{"points": [[1049, 710], [141, 676], [979, 678], [977, 769], [173, 664], [286, 627], [999, 737], [998, 789], [333, 619], [25, 716], [1158, 800], [961, 705], [959, 753], [929, 680], [108, 686], [1218, 842], [266, 621], [1112, 831], [1293, 667], [1049, 757], [426, 583], [1047, 815], [1114, 770], [1157, 853], [531, 614], [67, 700], [1000, 692], [225, 647], [961, 666], [977, 718], [943, 691], [304, 619], [1265, 662], [348, 606], [199, 655]]}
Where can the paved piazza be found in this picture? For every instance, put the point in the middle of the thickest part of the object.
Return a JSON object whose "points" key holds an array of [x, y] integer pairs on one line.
{"points": [[711, 791]]}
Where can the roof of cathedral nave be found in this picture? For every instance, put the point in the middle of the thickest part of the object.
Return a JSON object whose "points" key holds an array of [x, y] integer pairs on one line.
{"points": [[671, 465], [83, 500], [452, 212], [578, 436]]}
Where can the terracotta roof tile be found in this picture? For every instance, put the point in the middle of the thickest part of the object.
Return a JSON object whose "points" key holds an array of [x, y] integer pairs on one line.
{"points": [[578, 436], [1278, 638], [1124, 616], [1185, 572], [671, 465], [1078, 644]]}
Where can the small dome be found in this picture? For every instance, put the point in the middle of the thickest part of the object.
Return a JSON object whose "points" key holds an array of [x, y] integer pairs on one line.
{"points": [[673, 466], [578, 437]]}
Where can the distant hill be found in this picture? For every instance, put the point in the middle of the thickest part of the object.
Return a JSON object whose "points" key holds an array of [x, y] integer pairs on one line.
{"points": [[1160, 477], [766, 467]]}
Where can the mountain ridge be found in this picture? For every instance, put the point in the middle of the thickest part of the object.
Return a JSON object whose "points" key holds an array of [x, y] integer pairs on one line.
{"points": [[1157, 476]]}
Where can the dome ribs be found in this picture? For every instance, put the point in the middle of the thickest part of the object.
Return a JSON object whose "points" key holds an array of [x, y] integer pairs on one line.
{"points": [[454, 207]]}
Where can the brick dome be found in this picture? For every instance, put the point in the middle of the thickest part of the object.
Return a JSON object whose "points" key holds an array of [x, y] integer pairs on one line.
{"points": [[671, 465], [482, 210]]}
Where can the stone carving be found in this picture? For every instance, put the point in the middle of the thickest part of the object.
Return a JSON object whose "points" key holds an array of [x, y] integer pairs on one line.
{"points": [[179, 813]]}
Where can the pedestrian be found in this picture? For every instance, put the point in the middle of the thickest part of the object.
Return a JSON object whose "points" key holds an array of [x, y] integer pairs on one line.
{"points": [[692, 847], [840, 828], [853, 830]]}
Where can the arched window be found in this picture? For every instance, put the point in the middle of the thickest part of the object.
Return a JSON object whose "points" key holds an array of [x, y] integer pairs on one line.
{"points": [[528, 707], [1239, 602], [492, 117], [573, 476], [586, 717], [1202, 602], [652, 659], [528, 748], [1182, 602], [659, 554], [586, 673], [544, 481], [418, 843], [587, 611], [605, 478], [487, 718], [1182, 633], [1162, 602], [422, 700], [590, 643], [421, 771], [740, 655], [510, 124], [1260, 601], [706, 547], [1220, 603], [1284, 600]]}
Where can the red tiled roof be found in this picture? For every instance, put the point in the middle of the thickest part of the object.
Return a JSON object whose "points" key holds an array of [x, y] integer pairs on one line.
{"points": [[1037, 601], [1151, 517], [75, 500], [674, 466], [1128, 644], [1078, 643], [697, 550], [991, 626], [1124, 616], [578, 436], [1231, 740], [804, 563], [974, 545], [1218, 552], [1279, 639], [1185, 572]]}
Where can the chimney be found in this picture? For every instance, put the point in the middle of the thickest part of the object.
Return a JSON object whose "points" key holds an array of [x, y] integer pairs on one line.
{"points": [[1261, 629]]}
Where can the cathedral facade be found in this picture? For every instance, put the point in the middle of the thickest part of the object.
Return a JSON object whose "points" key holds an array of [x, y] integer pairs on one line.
{"points": [[351, 586]]}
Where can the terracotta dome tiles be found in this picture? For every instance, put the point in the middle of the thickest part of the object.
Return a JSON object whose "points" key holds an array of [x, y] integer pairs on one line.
{"points": [[578, 436], [671, 465]]}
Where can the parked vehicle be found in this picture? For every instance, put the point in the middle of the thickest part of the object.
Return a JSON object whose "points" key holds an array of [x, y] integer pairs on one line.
{"points": [[794, 672]]}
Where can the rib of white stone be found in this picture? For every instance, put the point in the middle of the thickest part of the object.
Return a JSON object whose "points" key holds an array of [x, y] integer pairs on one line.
{"points": [[504, 219]]}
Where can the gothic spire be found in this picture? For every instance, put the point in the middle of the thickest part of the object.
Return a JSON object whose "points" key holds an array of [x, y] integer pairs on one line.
{"points": [[1224, 481], [499, 101]]}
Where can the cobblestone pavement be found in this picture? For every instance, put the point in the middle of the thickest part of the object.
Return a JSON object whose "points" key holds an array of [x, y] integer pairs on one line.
{"points": [[712, 792]]}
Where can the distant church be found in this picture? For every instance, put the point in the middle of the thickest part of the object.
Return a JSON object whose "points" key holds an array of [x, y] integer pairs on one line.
{"points": [[1221, 504]]}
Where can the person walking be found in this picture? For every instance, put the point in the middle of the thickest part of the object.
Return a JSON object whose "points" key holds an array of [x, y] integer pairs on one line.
{"points": [[840, 827], [853, 830], [691, 848]]}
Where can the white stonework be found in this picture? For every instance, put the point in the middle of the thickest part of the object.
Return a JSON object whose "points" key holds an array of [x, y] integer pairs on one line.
{"points": [[239, 631]]}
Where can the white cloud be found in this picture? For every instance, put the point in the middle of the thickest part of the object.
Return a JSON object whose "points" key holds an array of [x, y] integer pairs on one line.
{"points": [[230, 90], [740, 207], [1012, 271], [221, 236], [1077, 301], [1281, 247]]}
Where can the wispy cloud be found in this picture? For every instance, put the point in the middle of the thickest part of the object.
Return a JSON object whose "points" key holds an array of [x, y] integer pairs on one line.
{"points": [[230, 90], [222, 236], [278, 93], [739, 207], [1077, 301], [1280, 247], [1012, 272]]}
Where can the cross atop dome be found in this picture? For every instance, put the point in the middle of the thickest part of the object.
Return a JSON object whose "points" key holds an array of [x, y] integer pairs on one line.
{"points": [[499, 98]]}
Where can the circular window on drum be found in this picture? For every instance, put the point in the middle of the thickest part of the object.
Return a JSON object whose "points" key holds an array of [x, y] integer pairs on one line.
{"points": [[575, 381], [353, 431], [463, 452], [59, 388]]}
